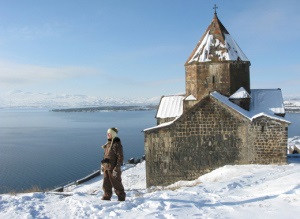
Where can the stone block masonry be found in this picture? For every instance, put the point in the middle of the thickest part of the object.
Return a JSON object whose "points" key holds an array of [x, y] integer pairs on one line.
{"points": [[270, 139], [208, 136], [225, 77]]}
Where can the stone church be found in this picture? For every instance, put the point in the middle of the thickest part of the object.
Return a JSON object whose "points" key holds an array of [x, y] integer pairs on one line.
{"points": [[220, 120]]}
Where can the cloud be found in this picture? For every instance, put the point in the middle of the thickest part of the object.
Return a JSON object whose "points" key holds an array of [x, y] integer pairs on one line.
{"points": [[33, 32], [16, 74]]}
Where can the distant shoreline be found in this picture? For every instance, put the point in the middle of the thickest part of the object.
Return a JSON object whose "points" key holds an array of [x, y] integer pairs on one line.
{"points": [[107, 108], [289, 108], [296, 110]]}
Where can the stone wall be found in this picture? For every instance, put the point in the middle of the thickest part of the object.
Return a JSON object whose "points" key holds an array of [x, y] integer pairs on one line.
{"points": [[208, 136], [270, 139], [205, 138], [239, 76], [225, 77], [163, 120]]}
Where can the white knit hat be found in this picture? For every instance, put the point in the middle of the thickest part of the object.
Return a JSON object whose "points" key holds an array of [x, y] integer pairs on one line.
{"points": [[113, 132]]}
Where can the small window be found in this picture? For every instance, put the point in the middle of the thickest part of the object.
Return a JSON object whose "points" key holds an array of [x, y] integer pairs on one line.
{"points": [[213, 79], [205, 55], [262, 128]]}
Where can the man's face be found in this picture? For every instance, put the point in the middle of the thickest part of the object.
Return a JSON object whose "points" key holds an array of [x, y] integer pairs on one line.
{"points": [[108, 136]]}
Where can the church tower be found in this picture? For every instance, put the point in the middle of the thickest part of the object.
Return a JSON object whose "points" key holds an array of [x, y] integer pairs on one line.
{"points": [[216, 64]]}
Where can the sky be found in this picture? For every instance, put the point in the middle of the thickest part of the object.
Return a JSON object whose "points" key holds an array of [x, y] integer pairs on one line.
{"points": [[138, 48]]}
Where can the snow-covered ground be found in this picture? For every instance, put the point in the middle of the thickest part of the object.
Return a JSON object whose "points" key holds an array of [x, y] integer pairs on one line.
{"points": [[232, 191]]}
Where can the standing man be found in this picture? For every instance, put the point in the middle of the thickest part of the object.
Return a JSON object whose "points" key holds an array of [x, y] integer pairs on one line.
{"points": [[111, 166]]}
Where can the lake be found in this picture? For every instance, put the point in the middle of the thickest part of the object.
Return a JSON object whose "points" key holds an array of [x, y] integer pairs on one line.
{"points": [[49, 149]]}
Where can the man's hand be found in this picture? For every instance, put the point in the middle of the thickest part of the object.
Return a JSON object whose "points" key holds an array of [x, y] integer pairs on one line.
{"points": [[114, 173]]}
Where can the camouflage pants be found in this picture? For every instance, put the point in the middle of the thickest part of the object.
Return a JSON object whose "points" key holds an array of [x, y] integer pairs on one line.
{"points": [[109, 182]]}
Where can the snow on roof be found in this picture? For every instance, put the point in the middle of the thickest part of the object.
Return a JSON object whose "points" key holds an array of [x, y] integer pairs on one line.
{"points": [[230, 51], [161, 125], [264, 102], [234, 51], [170, 106], [232, 105], [190, 97], [240, 94], [217, 42], [267, 100], [251, 114]]}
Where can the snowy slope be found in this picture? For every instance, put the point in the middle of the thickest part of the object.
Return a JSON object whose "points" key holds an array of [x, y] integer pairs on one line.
{"points": [[244, 191]]}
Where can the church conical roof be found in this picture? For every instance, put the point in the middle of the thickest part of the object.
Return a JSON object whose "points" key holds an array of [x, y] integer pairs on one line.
{"points": [[216, 44]]}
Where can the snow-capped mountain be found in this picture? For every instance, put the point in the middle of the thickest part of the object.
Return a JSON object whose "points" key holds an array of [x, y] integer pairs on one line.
{"points": [[20, 99], [292, 104]]}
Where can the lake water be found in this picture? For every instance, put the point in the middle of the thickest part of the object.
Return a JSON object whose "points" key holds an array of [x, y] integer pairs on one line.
{"points": [[48, 149]]}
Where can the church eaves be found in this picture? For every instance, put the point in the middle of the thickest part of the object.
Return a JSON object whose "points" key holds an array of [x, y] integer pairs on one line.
{"points": [[216, 44]]}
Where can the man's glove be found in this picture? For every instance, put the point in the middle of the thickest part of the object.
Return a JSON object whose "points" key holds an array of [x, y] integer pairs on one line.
{"points": [[105, 160], [114, 173]]}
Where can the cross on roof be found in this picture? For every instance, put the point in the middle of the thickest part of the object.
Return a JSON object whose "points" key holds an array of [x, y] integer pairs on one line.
{"points": [[215, 8]]}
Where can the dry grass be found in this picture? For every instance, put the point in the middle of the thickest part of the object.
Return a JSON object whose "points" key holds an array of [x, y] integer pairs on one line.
{"points": [[178, 186], [174, 187], [33, 189]]}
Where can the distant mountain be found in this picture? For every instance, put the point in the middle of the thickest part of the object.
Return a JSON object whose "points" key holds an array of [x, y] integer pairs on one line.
{"points": [[20, 99], [292, 104], [107, 108]]}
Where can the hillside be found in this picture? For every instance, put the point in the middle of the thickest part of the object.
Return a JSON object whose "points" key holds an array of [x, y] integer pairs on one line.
{"points": [[232, 191]]}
